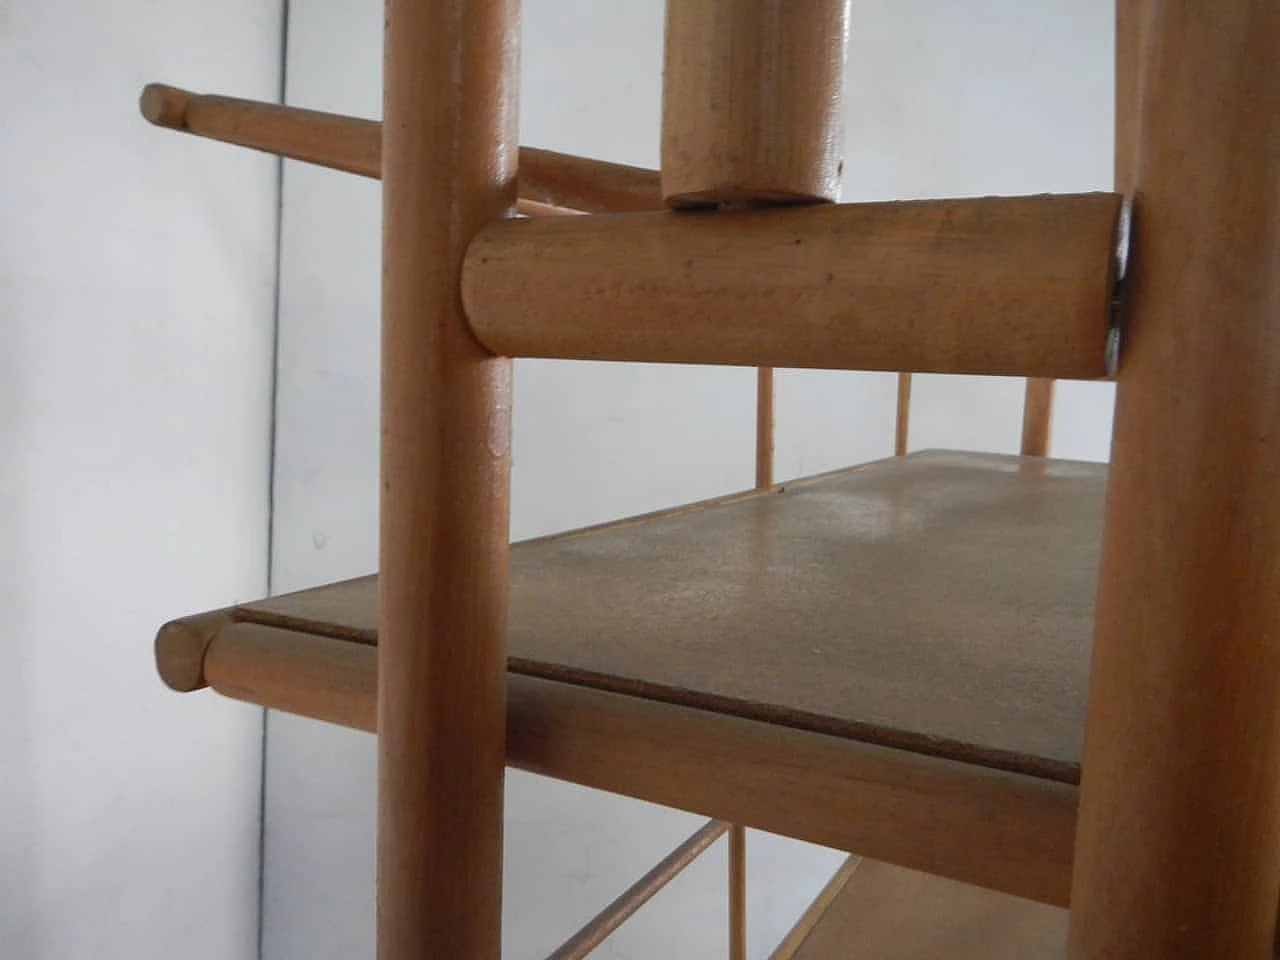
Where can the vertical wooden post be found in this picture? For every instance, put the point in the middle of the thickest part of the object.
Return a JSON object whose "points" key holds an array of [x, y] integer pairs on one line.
{"points": [[1178, 844], [737, 892], [1037, 417], [764, 427], [1131, 19], [751, 101], [448, 167], [902, 425]]}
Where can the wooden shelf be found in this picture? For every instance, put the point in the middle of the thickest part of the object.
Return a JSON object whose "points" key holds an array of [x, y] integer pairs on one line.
{"points": [[940, 603], [936, 606], [881, 912]]}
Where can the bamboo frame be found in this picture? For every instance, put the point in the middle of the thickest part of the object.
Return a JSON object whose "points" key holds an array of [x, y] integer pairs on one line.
{"points": [[1018, 286], [550, 182]]}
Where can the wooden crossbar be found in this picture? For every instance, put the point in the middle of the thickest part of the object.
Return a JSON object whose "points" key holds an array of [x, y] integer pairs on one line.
{"points": [[998, 285]]}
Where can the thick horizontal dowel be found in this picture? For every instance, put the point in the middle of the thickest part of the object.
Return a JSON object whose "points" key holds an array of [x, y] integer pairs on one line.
{"points": [[547, 178], [1015, 286], [1000, 830]]}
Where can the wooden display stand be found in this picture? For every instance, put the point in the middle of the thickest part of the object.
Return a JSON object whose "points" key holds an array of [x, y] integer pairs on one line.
{"points": [[893, 659]]}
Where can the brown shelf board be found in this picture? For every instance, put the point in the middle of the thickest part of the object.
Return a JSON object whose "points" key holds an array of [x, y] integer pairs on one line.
{"points": [[940, 603], [883, 912]]}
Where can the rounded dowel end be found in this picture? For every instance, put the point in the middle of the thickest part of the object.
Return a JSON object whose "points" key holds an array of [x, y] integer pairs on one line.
{"points": [[164, 106], [751, 102], [181, 646]]}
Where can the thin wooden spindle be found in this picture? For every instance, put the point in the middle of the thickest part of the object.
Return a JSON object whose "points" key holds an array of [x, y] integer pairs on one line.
{"points": [[449, 166], [738, 892], [639, 893], [764, 427], [550, 182], [902, 425], [1037, 417], [1178, 845]]}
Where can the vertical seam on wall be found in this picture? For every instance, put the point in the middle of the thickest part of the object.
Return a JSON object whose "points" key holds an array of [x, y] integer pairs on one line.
{"points": [[273, 420]]}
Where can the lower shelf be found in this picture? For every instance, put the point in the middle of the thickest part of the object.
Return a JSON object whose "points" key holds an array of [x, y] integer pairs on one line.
{"points": [[890, 659], [882, 912]]}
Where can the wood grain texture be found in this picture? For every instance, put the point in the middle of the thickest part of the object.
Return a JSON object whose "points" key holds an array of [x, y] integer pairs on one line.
{"points": [[313, 676], [1037, 417], [909, 603], [1001, 830], [989, 827], [449, 166], [751, 101], [890, 913], [327, 139], [997, 285], [1178, 853], [547, 179], [639, 893], [786, 950]]}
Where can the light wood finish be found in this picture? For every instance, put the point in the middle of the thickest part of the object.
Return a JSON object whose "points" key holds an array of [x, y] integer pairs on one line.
{"points": [[532, 208], [327, 139], [889, 913], [786, 950], [313, 676], [1037, 417], [902, 416], [1018, 286], [1178, 854], [180, 649], [751, 101], [592, 186], [764, 427], [550, 182], [738, 892], [1131, 20], [449, 166], [997, 829], [639, 893], [1001, 830]]}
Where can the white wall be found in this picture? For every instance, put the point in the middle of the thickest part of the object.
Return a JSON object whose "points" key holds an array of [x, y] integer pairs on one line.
{"points": [[943, 99], [136, 310]]}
